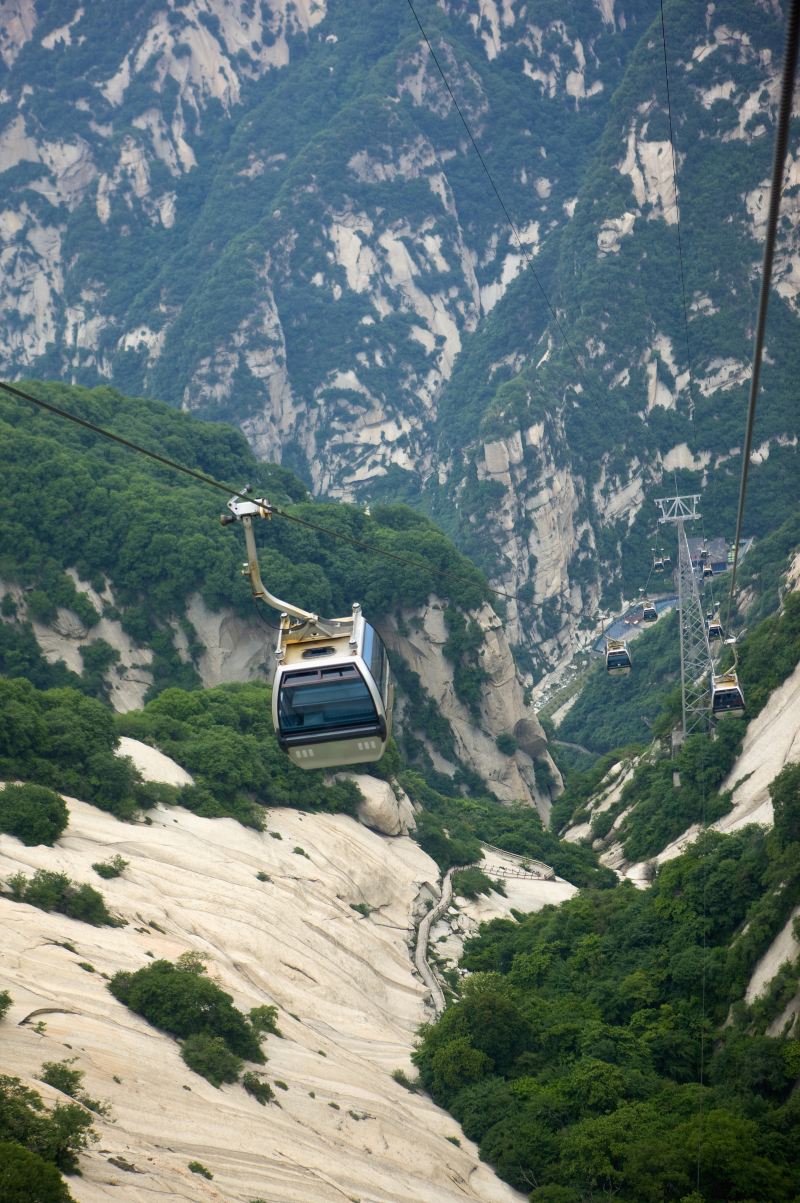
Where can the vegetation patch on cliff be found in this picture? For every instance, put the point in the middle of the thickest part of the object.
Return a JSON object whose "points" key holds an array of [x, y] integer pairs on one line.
{"points": [[588, 1053]]}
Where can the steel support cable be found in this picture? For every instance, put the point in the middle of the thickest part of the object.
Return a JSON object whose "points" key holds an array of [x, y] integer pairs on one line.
{"points": [[677, 212], [204, 478], [512, 224], [776, 189]]}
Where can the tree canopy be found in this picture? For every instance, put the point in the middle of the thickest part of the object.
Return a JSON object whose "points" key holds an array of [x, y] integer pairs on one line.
{"points": [[589, 1052]]}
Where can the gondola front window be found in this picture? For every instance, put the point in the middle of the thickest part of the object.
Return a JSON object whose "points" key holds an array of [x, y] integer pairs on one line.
{"points": [[324, 699]]}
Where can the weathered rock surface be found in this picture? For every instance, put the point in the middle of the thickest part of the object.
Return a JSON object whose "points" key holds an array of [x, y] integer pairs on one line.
{"points": [[421, 643], [384, 809], [349, 1005]]}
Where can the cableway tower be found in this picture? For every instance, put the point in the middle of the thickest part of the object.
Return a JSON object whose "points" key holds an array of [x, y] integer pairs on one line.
{"points": [[696, 659]]}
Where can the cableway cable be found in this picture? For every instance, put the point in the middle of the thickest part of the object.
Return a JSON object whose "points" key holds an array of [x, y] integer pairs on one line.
{"points": [[781, 142], [512, 224], [204, 478], [776, 188]]}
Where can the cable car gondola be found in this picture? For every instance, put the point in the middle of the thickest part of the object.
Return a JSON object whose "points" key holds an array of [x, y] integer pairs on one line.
{"points": [[715, 628], [332, 694], [726, 695], [649, 611], [618, 658], [708, 570]]}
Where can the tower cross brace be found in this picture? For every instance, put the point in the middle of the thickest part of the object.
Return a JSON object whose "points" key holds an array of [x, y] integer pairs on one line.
{"points": [[696, 661]]}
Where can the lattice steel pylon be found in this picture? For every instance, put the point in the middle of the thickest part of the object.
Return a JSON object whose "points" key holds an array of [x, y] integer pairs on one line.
{"points": [[696, 661]]}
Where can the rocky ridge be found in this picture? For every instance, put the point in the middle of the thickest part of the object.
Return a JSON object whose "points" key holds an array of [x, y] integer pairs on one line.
{"points": [[345, 287]]}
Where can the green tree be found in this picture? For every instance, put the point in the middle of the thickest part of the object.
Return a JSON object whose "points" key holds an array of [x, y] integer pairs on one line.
{"points": [[521, 1149], [594, 1086], [59, 1075], [785, 794], [471, 882], [58, 1136], [25, 1177], [457, 1064], [52, 891], [480, 1106], [494, 1021], [33, 813], [65, 740], [211, 1057], [185, 1002], [731, 1161]]}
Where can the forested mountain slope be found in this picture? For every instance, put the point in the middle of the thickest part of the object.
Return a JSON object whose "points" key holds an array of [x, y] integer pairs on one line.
{"points": [[118, 569], [644, 796], [271, 212], [605, 1047], [577, 443], [642, 1042]]}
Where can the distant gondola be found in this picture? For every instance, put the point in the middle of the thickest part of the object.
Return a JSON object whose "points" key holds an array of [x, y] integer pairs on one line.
{"points": [[726, 695], [618, 658], [649, 611]]}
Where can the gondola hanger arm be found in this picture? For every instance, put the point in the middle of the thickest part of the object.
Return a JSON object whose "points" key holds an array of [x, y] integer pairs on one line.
{"points": [[245, 511]]}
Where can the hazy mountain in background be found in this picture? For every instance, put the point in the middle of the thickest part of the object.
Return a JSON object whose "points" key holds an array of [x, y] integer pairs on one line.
{"points": [[272, 213]]}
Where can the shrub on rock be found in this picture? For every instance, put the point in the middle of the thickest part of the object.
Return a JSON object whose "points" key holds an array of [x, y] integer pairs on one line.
{"points": [[32, 813]]}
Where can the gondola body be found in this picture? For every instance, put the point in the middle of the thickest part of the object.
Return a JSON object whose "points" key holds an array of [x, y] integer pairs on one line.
{"points": [[332, 696], [708, 571], [715, 630], [618, 658], [649, 612], [727, 699]]}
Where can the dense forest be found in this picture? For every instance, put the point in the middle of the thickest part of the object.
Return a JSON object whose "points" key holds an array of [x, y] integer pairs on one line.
{"points": [[155, 534], [602, 1047], [152, 535]]}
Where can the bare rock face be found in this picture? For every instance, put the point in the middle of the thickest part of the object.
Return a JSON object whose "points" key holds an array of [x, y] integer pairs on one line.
{"points": [[382, 809], [531, 738], [421, 642], [342, 980], [540, 526], [235, 650]]}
